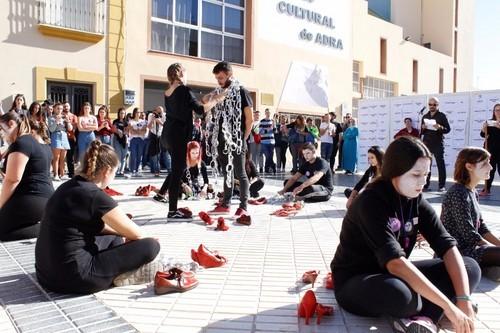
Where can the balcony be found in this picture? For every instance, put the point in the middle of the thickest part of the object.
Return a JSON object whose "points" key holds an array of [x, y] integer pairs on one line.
{"points": [[82, 20]]}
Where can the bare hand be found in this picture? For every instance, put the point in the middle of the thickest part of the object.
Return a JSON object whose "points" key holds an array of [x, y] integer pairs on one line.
{"points": [[460, 321], [348, 203], [297, 190], [424, 126]]}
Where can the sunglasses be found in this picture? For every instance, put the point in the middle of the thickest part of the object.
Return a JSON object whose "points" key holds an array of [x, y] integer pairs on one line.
{"points": [[432, 104]]}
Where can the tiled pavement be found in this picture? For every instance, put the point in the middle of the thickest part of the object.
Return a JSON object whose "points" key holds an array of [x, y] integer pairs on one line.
{"points": [[257, 291]]}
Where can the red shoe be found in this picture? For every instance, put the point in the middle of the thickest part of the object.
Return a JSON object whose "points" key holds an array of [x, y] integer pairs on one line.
{"points": [[310, 277], [323, 310], [298, 205], [244, 219], [484, 193], [240, 211], [329, 281], [219, 210], [186, 211], [307, 306], [109, 191], [138, 191], [175, 280], [207, 258], [261, 201], [221, 225], [205, 218]]}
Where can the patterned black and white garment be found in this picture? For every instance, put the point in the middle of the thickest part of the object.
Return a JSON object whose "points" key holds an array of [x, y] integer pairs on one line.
{"points": [[462, 218]]}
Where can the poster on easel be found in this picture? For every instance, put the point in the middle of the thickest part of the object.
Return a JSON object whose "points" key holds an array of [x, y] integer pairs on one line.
{"points": [[482, 103]]}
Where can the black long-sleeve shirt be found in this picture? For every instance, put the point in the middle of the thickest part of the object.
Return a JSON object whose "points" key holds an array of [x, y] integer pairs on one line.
{"points": [[433, 138], [369, 173], [493, 140], [373, 232], [181, 104], [194, 173]]}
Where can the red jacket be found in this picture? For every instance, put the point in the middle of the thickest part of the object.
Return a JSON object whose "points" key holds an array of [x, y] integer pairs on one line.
{"points": [[414, 132]]}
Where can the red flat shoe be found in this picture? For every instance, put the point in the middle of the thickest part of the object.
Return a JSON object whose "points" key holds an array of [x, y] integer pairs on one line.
{"points": [[307, 306], [221, 225], [323, 310], [244, 219], [175, 280], [329, 281], [205, 218], [310, 277], [138, 191], [262, 200], [207, 258]]}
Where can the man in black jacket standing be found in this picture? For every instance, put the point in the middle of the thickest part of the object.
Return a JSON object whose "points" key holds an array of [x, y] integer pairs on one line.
{"points": [[434, 126]]}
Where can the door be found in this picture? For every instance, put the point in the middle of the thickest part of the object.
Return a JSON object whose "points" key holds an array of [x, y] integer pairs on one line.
{"points": [[75, 93]]}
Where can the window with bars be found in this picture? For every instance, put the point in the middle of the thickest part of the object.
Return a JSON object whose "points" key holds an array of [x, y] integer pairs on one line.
{"points": [[377, 88], [212, 29], [355, 76]]}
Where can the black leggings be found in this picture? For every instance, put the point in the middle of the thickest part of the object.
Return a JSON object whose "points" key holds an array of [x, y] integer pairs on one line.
{"points": [[495, 163], [20, 217], [375, 295], [255, 187], [490, 257], [312, 193], [177, 148], [114, 258]]}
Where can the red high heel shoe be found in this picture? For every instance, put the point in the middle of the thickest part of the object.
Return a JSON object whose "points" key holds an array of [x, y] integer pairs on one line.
{"points": [[207, 258], [221, 225], [329, 281], [175, 280], [323, 310], [206, 218], [310, 277], [307, 306]]}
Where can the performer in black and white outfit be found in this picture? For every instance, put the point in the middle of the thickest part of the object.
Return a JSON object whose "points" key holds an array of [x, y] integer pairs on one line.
{"points": [[232, 122]]}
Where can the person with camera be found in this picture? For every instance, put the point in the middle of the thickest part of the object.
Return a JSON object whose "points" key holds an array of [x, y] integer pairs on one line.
{"points": [[59, 125], [156, 119]]}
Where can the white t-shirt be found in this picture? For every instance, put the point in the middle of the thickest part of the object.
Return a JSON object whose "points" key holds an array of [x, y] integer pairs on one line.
{"points": [[330, 130], [138, 125]]}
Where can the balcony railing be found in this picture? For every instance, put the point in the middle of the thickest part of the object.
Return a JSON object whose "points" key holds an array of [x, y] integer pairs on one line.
{"points": [[81, 15]]}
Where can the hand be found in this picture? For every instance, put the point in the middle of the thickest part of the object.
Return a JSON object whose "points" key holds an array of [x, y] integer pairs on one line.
{"points": [[437, 126], [424, 126], [460, 321], [348, 203], [297, 190]]}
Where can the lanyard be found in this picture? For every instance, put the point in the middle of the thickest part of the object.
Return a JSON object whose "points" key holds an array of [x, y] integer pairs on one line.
{"points": [[402, 230]]}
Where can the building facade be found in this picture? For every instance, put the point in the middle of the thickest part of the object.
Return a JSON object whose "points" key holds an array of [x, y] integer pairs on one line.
{"points": [[294, 56]]}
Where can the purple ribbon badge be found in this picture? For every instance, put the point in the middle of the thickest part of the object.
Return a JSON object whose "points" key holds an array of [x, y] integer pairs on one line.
{"points": [[394, 224]]}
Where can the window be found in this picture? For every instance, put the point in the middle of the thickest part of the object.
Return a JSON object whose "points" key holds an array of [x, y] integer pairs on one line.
{"points": [[415, 76], [355, 76], [212, 29], [441, 80], [377, 88], [383, 56]]}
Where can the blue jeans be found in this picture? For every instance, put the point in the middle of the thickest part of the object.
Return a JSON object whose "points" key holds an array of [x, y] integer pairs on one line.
{"points": [[136, 152], [326, 150], [84, 140], [154, 163], [104, 139], [165, 160], [268, 150], [121, 152]]}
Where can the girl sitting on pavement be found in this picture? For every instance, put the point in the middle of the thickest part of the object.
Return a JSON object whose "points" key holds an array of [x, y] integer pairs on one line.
{"points": [[461, 214], [86, 241]]}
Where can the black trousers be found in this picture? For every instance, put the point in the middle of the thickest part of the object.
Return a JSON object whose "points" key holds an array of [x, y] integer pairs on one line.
{"points": [[255, 187], [177, 137], [70, 158], [312, 193], [335, 149], [114, 258], [375, 295], [238, 171], [20, 217], [495, 163], [438, 153]]}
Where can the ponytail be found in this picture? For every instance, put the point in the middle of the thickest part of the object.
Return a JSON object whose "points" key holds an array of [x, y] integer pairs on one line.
{"points": [[98, 157]]}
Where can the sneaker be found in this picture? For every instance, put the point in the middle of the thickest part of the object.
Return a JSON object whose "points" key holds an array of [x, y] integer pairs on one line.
{"points": [[178, 216], [419, 324], [442, 189], [56, 178], [64, 177], [143, 274], [219, 210], [160, 198], [240, 211]]}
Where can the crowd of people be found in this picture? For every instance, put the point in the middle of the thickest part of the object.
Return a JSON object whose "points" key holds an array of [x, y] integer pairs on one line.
{"points": [[86, 243]]}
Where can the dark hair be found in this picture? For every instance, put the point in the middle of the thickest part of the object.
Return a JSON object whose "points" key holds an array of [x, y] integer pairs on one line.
{"points": [[23, 125], [223, 66], [13, 107], [40, 128], [401, 156], [134, 112], [309, 146], [333, 115], [493, 116], [83, 107], [98, 157], [470, 155], [106, 111], [379, 156], [407, 118], [309, 119], [48, 101], [32, 109]]}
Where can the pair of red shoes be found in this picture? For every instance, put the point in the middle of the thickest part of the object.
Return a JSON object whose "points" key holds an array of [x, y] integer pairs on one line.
{"points": [[311, 276], [221, 224], [259, 201], [175, 280], [309, 306], [109, 191], [143, 191], [207, 258]]}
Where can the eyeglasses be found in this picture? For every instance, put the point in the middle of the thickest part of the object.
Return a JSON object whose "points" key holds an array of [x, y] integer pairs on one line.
{"points": [[430, 104]]}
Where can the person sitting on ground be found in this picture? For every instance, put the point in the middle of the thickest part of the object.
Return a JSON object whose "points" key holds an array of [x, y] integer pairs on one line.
{"points": [[375, 157], [26, 179], [86, 241], [408, 130], [319, 184], [256, 183], [372, 274], [190, 184], [462, 217]]}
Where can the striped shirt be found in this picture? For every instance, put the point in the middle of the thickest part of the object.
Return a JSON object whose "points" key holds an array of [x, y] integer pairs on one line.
{"points": [[266, 128]]}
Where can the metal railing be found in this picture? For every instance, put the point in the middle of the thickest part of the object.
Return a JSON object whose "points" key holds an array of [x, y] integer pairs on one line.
{"points": [[83, 15]]}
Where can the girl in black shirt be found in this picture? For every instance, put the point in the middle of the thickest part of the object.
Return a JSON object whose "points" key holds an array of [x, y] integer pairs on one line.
{"points": [[491, 133], [86, 241], [177, 130], [375, 157], [27, 185], [373, 276]]}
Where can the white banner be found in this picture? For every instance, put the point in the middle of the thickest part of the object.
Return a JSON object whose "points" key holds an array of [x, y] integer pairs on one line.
{"points": [[406, 107]]}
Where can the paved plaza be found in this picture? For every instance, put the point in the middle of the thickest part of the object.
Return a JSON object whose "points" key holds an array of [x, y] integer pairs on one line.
{"points": [[258, 290]]}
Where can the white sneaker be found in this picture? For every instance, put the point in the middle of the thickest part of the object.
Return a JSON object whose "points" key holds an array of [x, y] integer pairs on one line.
{"points": [[64, 177], [56, 178], [417, 324], [144, 274]]}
